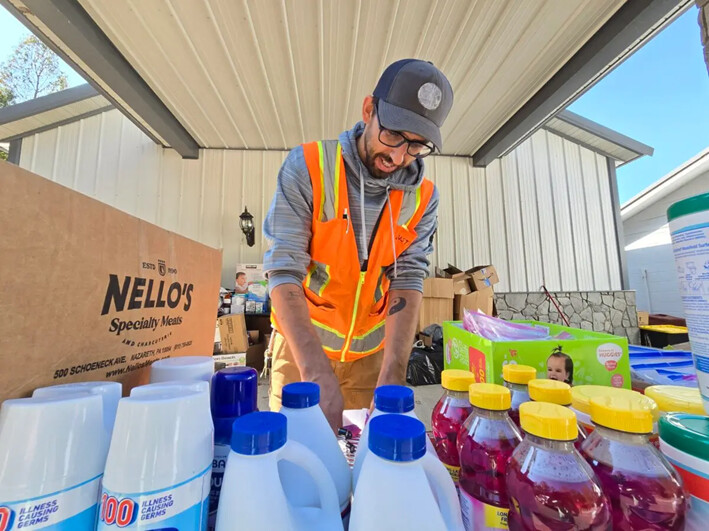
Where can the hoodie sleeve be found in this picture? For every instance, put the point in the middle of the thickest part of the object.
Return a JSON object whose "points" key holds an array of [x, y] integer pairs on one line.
{"points": [[287, 226], [413, 264]]}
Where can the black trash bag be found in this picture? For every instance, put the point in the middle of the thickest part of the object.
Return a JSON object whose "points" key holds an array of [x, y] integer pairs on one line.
{"points": [[425, 366], [435, 332]]}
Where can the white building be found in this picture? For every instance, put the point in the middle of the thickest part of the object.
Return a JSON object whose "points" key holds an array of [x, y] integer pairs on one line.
{"points": [[648, 245]]}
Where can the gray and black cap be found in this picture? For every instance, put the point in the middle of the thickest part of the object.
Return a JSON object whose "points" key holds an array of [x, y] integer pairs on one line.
{"points": [[414, 96]]}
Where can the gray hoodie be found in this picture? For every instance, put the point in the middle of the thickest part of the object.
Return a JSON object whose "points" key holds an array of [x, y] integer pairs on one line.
{"points": [[288, 222]]}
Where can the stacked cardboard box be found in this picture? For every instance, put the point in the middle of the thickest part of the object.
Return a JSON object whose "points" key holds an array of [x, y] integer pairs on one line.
{"points": [[240, 346], [453, 290]]}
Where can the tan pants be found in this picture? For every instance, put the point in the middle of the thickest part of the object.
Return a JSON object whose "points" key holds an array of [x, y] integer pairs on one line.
{"points": [[357, 378]]}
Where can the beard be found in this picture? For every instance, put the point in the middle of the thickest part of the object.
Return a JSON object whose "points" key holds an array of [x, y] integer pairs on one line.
{"points": [[371, 156]]}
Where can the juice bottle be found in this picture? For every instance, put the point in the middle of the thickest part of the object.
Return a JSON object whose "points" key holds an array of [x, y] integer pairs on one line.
{"points": [[516, 378], [485, 443], [676, 399], [448, 416], [555, 392], [644, 490], [549, 484], [581, 396]]}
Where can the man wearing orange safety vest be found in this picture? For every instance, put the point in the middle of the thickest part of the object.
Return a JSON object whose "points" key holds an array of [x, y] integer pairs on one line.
{"points": [[351, 226]]}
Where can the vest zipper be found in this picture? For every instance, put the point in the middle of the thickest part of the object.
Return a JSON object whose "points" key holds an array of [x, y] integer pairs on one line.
{"points": [[348, 340], [371, 239]]}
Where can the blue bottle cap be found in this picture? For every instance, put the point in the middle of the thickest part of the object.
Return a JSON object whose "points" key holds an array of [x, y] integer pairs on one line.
{"points": [[234, 392], [397, 437], [258, 433], [394, 399], [300, 395]]}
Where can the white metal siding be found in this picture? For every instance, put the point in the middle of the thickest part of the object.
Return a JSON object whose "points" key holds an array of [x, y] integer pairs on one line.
{"points": [[648, 250], [528, 213]]}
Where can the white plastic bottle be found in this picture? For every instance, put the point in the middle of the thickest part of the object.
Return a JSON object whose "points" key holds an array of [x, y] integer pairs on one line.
{"points": [[51, 462], [253, 497], [182, 368], [160, 461], [307, 425], [403, 486], [397, 399], [110, 393]]}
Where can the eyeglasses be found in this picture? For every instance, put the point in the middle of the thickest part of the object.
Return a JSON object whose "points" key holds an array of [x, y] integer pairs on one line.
{"points": [[395, 139]]}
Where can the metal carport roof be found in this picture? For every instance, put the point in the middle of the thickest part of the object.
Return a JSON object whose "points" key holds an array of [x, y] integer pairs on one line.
{"points": [[270, 74]]}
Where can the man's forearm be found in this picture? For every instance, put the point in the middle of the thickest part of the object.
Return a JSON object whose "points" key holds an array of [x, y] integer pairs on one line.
{"points": [[401, 322], [294, 323]]}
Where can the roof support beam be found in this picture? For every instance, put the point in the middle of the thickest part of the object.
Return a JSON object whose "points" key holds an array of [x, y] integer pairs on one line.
{"points": [[73, 26], [633, 22]]}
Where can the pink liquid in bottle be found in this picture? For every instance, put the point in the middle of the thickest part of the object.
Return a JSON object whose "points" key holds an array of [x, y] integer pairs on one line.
{"points": [[486, 442], [645, 491], [551, 487], [447, 419]]}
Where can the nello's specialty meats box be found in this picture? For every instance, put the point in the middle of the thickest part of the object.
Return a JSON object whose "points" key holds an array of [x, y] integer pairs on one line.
{"points": [[88, 292], [587, 358]]}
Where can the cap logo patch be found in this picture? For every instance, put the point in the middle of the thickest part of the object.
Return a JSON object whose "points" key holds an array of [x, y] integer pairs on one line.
{"points": [[430, 96]]}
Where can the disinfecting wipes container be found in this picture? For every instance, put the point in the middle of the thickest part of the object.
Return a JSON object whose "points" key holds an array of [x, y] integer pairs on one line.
{"points": [[689, 227], [159, 464], [51, 460]]}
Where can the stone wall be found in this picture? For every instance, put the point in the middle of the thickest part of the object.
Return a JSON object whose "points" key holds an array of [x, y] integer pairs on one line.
{"points": [[601, 311]]}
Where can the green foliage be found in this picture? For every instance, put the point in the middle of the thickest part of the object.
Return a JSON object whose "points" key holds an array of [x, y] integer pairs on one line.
{"points": [[33, 70]]}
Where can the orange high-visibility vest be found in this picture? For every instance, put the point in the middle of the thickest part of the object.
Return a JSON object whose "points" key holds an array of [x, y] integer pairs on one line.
{"points": [[347, 303]]}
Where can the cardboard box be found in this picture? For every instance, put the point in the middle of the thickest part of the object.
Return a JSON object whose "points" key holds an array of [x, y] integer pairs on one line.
{"points": [[232, 331], [437, 303], [482, 300], [91, 293], [592, 357], [643, 318], [254, 354], [229, 360], [483, 277]]}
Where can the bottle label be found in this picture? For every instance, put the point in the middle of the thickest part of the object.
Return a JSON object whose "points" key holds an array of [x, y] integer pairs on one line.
{"points": [[478, 515], [183, 506], [72, 508], [221, 452], [454, 471]]}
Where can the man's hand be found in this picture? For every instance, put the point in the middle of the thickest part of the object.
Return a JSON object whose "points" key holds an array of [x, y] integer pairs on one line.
{"points": [[303, 342], [331, 401], [401, 323]]}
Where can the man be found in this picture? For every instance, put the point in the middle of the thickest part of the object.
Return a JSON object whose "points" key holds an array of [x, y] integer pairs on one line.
{"points": [[351, 225], [241, 285]]}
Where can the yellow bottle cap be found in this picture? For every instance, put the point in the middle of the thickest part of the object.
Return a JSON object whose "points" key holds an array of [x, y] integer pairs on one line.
{"points": [[631, 413], [490, 396], [675, 398], [457, 380], [551, 391], [549, 421], [518, 374], [581, 396]]}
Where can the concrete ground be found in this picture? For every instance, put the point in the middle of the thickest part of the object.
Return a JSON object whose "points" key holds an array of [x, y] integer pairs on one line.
{"points": [[425, 396]]}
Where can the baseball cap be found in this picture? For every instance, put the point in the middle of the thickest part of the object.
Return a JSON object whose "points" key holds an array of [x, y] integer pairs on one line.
{"points": [[414, 96]]}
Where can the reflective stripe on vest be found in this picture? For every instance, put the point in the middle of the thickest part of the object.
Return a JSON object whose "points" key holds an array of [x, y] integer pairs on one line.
{"points": [[348, 306]]}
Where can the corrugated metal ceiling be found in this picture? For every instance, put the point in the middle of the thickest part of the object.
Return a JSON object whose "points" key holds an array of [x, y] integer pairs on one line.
{"points": [[585, 138], [271, 74]]}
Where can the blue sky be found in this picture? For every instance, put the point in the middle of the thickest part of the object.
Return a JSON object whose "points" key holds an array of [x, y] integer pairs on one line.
{"points": [[659, 96]]}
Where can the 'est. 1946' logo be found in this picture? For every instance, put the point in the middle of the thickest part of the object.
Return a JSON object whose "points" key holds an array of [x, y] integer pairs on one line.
{"points": [[7, 517], [122, 513]]}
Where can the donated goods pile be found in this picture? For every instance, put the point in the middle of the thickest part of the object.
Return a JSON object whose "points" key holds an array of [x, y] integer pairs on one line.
{"points": [[190, 451]]}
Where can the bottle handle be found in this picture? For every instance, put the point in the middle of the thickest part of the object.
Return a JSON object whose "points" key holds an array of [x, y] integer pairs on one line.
{"points": [[445, 491], [300, 455]]}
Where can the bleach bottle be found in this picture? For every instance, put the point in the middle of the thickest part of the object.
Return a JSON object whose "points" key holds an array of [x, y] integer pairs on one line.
{"points": [[403, 486], [252, 494], [110, 393], [160, 462], [234, 394], [307, 425], [52, 455], [182, 368], [397, 399]]}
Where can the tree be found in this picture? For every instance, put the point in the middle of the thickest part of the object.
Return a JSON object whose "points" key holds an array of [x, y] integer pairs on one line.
{"points": [[33, 70]]}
